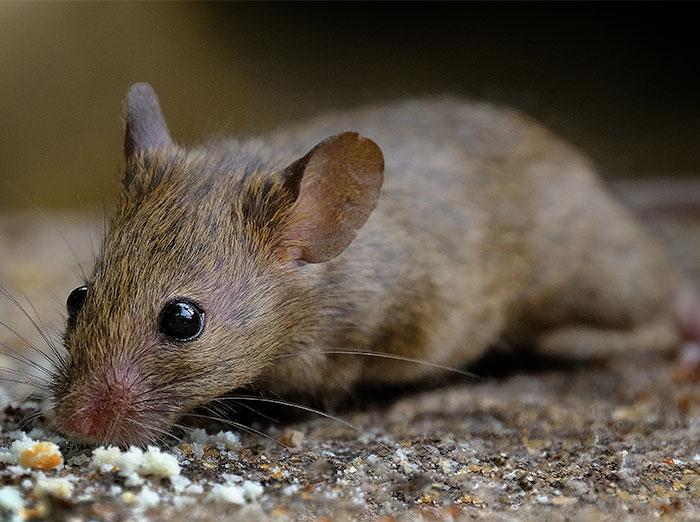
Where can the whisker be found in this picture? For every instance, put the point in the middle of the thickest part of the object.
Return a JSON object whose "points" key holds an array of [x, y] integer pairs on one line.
{"points": [[238, 425], [300, 407], [393, 357], [27, 419], [250, 408], [20, 373], [42, 329], [36, 385], [19, 357], [150, 427], [28, 343], [25, 397]]}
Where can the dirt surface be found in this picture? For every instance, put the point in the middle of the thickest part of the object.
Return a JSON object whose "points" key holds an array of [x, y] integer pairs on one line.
{"points": [[533, 438]]}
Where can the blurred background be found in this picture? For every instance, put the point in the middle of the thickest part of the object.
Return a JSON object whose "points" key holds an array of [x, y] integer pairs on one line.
{"points": [[619, 81]]}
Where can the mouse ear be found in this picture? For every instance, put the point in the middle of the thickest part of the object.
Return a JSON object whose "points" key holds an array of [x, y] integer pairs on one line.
{"points": [[336, 187], [145, 125]]}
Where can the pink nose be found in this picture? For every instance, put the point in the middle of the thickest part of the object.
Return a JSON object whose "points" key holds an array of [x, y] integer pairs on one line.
{"points": [[89, 425], [98, 411]]}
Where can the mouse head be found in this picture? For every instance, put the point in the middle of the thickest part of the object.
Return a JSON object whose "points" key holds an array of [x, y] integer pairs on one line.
{"points": [[202, 280]]}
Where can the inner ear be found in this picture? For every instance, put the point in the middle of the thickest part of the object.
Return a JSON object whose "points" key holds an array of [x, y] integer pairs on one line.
{"points": [[336, 187]]}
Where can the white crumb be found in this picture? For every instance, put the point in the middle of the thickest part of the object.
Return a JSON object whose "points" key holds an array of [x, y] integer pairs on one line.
{"points": [[104, 459], [159, 464], [133, 479], [53, 487], [199, 436], [129, 462], [232, 478], [227, 493], [227, 440], [11, 503], [252, 490], [290, 490], [7, 458], [197, 450], [21, 443], [179, 483], [134, 463], [146, 498]]}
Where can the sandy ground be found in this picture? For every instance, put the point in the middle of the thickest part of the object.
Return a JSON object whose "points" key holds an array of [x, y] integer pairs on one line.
{"points": [[533, 438]]}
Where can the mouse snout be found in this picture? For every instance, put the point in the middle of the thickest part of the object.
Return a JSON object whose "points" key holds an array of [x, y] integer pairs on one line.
{"points": [[100, 412]]}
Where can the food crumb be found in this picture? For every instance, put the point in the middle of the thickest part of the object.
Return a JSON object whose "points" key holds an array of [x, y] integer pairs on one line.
{"points": [[147, 498], [11, 504], [54, 487], [135, 462], [252, 490], [42, 455], [249, 491], [226, 493], [227, 440], [159, 464]]}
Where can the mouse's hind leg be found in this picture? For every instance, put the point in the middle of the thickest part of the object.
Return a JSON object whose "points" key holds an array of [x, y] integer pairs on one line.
{"points": [[601, 284]]}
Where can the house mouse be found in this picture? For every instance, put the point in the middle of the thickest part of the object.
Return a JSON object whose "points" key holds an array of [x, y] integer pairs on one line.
{"points": [[425, 229]]}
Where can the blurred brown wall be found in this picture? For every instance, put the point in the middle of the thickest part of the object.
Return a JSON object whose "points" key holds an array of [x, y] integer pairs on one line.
{"points": [[619, 81]]}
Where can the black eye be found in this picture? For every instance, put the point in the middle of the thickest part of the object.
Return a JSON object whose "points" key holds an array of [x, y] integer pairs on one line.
{"points": [[75, 302], [181, 320]]}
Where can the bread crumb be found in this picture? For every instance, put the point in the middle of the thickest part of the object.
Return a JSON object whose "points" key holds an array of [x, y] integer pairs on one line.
{"points": [[129, 462], [147, 498], [179, 483], [104, 459], [252, 490], [227, 440], [29, 453], [135, 462], [42, 455], [159, 464], [11, 503], [53, 487], [132, 480], [199, 436], [226, 493]]}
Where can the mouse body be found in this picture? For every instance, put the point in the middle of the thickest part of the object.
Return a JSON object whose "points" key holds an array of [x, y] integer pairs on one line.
{"points": [[425, 229]]}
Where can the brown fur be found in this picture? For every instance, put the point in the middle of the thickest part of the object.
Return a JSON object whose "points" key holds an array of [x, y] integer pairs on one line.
{"points": [[488, 227]]}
